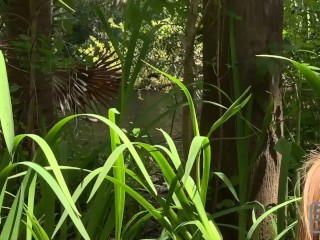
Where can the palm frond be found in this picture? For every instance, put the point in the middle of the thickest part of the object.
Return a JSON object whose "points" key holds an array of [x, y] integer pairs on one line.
{"points": [[83, 86]]}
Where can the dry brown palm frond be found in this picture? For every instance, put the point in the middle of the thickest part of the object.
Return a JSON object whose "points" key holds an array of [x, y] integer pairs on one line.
{"points": [[85, 86], [80, 85]]}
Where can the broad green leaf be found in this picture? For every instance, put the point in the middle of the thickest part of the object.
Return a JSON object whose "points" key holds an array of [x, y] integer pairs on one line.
{"points": [[307, 71], [194, 151], [198, 143], [6, 116]]}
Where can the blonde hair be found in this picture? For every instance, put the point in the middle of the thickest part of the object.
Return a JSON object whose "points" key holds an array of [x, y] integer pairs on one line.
{"points": [[311, 194]]}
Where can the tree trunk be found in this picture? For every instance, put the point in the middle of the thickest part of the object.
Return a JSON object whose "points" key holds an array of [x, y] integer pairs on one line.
{"points": [[30, 26], [188, 74], [216, 72], [258, 30]]}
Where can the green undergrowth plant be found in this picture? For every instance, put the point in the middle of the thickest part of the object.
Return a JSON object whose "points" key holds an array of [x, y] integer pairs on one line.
{"points": [[95, 207]]}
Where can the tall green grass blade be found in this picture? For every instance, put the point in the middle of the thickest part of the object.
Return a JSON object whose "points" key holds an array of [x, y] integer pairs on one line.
{"points": [[34, 235], [56, 129], [6, 117], [266, 214], [195, 149], [232, 110], [98, 210], [193, 193], [63, 148], [227, 182], [128, 143], [102, 172], [168, 212], [66, 6], [147, 40], [205, 170], [202, 229], [134, 16], [191, 189], [130, 230], [9, 223], [307, 71], [55, 187], [108, 227], [10, 229], [179, 197], [248, 206], [195, 197], [119, 174], [48, 206], [55, 167], [188, 96], [173, 154], [196, 146], [35, 228], [18, 216], [3, 191], [31, 198], [173, 150], [77, 193], [287, 229], [106, 168], [143, 202], [291, 153]]}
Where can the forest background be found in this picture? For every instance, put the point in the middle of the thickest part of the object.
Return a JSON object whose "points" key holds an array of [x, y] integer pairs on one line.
{"points": [[237, 118]]}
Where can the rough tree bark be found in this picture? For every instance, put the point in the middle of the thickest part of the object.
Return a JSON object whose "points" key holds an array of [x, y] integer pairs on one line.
{"points": [[32, 19], [258, 29], [188, 74]]}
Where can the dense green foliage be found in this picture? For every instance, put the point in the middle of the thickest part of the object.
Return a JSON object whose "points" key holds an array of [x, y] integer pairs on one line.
{"points": [[122, 180]]}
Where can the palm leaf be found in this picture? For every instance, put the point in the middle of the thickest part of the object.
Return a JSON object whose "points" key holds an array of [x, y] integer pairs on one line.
{"points": [[83, 86]]}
